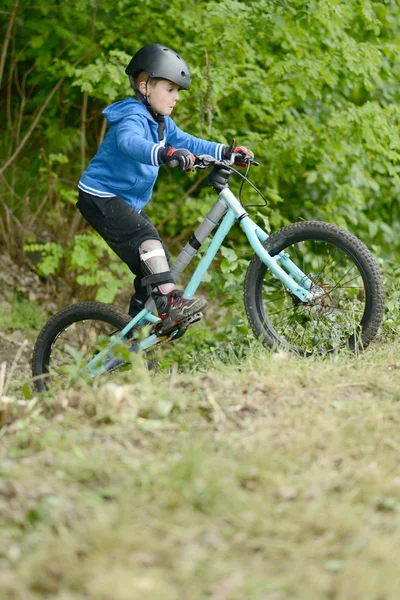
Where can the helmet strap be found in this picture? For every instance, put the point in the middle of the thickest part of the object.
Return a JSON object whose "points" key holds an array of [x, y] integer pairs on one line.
{"points": [[159, 118], [138, 93]]}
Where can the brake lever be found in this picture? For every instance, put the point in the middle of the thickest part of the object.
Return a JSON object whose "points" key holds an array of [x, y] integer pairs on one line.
{"points": [[249, 161]]}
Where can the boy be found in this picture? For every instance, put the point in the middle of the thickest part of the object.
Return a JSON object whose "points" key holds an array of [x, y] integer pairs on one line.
{"points": [[119, 180]]}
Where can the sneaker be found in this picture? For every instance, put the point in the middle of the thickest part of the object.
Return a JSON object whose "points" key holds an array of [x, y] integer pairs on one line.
{"points": [[174, 307]]}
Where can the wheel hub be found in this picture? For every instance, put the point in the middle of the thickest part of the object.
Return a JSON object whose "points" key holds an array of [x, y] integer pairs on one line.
{"points": [[322, 299]]}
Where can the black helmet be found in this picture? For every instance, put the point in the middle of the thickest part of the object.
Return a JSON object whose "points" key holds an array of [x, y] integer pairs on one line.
{"points": [[160, 61]]}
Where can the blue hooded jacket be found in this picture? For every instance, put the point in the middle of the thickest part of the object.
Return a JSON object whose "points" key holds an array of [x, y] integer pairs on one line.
{"points": [[127, 162]]}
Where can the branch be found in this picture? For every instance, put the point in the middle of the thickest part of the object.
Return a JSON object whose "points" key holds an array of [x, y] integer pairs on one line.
{"points": [[7, 39], [33, 126], [38, 116], [85, 98]]}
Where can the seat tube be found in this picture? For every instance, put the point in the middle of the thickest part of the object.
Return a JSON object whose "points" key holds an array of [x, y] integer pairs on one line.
{"points": [[202, 232], [212, 250]]}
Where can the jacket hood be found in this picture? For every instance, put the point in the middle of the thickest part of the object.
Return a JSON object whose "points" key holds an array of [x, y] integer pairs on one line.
{"points": [[117, 111]]}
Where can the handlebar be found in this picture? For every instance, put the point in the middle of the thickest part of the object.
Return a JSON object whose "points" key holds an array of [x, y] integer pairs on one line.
{"points": [[204, 161], [173, 164]]}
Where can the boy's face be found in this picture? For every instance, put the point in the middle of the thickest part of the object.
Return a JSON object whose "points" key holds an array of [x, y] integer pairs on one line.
{"points": [[162, 95]]}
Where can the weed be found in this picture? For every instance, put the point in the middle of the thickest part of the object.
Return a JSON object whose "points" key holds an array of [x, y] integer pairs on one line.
{"points": [[21, 314]]}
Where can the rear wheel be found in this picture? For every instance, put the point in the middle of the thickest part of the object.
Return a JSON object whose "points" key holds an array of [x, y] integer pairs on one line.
{"points": [[73, 337], [348, 291]]}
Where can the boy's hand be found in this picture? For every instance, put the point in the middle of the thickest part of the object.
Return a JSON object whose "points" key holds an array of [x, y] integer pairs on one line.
{"points": [[179, 157], [242, 151]]}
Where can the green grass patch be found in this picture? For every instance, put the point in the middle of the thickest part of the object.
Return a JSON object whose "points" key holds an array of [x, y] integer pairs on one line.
{"points": [[21, 314], [274, 478]]}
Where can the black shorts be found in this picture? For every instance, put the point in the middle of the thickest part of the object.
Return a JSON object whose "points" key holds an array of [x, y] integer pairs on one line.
{"points": [[121, 227]]}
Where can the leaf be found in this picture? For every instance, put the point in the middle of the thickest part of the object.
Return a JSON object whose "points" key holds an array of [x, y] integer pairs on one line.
{"points": [[229, 254], [26, 392], [37, 42], [164, 407]]}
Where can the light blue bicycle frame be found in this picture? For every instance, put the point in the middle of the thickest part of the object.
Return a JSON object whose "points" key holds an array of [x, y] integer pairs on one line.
{"points": [[280, 265]]}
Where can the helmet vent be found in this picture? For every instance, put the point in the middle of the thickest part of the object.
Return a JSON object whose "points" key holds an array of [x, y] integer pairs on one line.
{"points": [[177, 56], [165, 49], [183, 73]]}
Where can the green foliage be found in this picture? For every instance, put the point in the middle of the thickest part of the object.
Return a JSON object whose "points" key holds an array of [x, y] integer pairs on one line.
{"points": [[391, 321], [96, 265], [22, 314], [52, 254], [91, 261], [312, 87], [105, 79]]}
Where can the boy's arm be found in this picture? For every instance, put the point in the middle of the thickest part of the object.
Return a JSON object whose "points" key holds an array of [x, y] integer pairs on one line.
{"points": [[131, 140], [181, 139]]}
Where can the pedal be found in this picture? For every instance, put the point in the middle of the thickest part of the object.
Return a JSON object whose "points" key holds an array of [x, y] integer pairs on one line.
{"points": [[176, 328], [185, 324]]}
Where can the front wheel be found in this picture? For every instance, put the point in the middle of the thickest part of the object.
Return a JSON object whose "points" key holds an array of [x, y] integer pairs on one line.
{"points": [[73, 336], [348, 306]]}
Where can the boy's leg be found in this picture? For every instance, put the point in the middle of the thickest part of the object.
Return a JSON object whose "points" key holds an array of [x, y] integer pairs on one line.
{"points": [[155, 265], [129, 234], [123, 229], [141, 294], [171, 304]]}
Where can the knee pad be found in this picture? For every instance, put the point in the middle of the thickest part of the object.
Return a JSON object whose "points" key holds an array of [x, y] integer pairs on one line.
{"points": [[154, 264]]}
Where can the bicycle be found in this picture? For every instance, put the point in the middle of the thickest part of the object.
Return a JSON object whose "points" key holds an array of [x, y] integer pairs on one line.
{"points": [[311, 287]]}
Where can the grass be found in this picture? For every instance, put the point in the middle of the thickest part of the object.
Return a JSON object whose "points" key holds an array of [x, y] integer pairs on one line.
{"points": [[273, 478], [21, 315]]}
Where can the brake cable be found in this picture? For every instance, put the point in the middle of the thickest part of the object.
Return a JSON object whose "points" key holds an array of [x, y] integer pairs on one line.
{"points": [[244, 180]]}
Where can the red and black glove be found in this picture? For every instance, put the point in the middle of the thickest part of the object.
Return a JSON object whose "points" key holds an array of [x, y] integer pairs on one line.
{"points": [[242, 152], [178, 157]]}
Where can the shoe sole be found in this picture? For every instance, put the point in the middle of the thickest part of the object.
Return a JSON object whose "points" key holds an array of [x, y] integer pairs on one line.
{"points": [[198, 306], [178, 328]]}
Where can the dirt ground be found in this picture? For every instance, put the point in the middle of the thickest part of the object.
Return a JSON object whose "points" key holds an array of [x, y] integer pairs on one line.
{"points": [[16, 345], [51, 294], [16, 355]]}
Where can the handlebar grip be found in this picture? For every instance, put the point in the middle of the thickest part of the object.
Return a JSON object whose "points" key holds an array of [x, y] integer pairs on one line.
{"points": [[173, 164]]}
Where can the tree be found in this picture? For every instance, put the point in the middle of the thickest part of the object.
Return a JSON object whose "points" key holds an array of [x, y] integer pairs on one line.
{"points": [[311, 86]]}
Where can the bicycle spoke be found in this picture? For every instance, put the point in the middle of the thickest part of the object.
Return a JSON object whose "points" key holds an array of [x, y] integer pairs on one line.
{"points": [[78, 343], [344, 286], [322, 270], [327, 320]]}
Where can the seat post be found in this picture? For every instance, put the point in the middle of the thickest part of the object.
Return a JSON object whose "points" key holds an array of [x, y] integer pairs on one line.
{"points": [[200, 235]]}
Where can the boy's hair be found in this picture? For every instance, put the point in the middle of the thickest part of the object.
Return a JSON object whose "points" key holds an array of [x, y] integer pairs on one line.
{"points": [[143, 76]]}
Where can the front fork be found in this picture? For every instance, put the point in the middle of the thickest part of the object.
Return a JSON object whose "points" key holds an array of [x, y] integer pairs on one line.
{"points": [[280, 265], [291, 276]]}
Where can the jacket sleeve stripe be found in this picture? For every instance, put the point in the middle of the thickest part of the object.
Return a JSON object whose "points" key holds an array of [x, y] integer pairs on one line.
{"points": [[155, 155], [219, 151]]}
